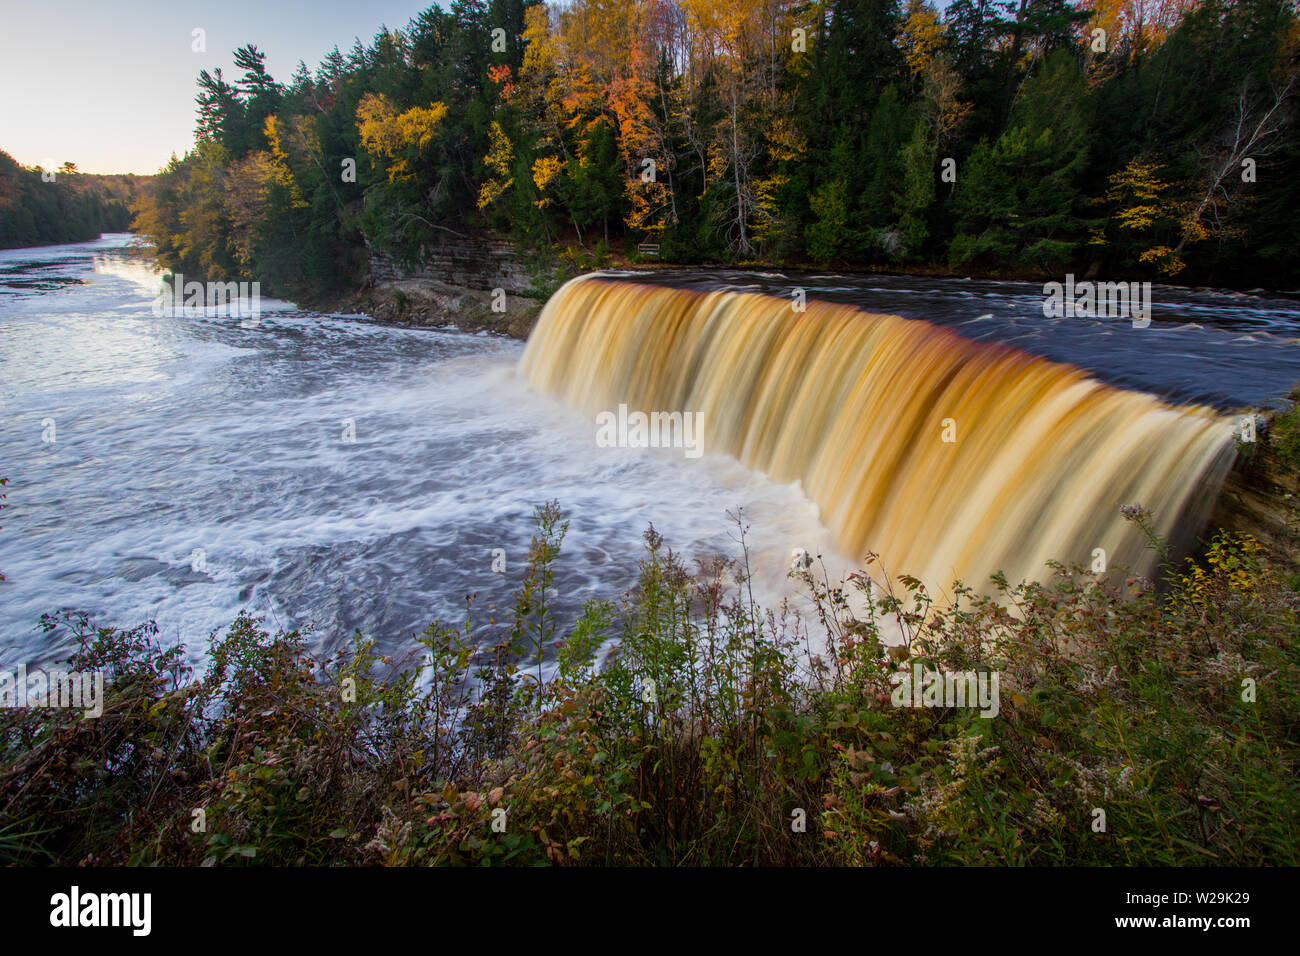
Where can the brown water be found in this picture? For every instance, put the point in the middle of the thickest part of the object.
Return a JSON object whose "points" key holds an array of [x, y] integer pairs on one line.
{"points": [[950, 459]]}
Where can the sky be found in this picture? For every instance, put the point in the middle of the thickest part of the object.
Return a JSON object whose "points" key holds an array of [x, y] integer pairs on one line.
{"points": [[110, 84]]}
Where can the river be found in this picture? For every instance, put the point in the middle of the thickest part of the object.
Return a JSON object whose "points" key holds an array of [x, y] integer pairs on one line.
{"points": [[182, 468]]}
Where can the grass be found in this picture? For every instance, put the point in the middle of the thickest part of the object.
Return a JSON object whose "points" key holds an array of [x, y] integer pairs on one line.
{"points": [[1136, 727]]}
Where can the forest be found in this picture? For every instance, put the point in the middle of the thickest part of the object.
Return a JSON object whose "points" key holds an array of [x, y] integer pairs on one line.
{"points": [[40, 207], [1133, 139]]}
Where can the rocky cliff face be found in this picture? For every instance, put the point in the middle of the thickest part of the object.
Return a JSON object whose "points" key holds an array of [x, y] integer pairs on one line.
{"points": [[430, 302], [474, 284], [480, 264], [1261, 498]]}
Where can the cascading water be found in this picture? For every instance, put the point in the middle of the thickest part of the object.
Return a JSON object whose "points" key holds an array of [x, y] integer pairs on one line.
{"points": [[950, 459]]}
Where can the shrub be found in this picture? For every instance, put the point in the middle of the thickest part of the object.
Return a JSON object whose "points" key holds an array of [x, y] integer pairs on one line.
{"points": [[685, 725]]}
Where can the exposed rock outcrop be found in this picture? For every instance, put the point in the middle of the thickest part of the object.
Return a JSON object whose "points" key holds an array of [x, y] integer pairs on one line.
{"points": [[430, 302], [1261, 498], [482, 264], [474, 284]]}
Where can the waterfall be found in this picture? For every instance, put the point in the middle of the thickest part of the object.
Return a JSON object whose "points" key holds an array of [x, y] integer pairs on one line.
{"points": [[949, 459]]}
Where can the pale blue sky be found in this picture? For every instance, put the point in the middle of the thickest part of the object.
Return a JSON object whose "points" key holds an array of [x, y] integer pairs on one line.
{"points": [[109, 84]]}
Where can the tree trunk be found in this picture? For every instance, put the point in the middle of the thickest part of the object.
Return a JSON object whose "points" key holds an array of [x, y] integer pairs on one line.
{"points": [[735, 165]]}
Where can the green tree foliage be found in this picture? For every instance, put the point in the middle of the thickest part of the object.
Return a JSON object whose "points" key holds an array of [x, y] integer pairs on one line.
{"points": [[827, 236], [596, 188], [40, 207], [1021, 200], [918, 191]]}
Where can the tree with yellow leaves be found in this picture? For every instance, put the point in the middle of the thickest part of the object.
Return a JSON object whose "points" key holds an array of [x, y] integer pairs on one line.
{"points": [[923, 39], [727, 33], [612, 65], [1143, 215], [397, 137], [499, 159]]}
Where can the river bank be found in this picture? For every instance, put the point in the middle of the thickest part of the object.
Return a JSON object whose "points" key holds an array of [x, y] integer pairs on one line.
{"points": [[485, 284]]}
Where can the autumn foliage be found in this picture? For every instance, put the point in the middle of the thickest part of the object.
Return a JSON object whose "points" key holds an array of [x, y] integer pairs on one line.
{"points": [[1136, 138]]}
